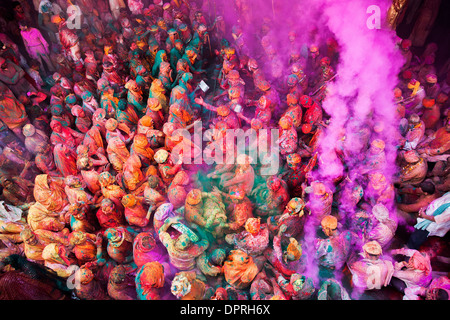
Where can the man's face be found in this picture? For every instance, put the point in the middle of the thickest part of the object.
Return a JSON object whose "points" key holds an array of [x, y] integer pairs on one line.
{"points": [[31, 241], [447, 125], [18, 9], [3, 64], [328, 231], [107, 208], [57, 127]]}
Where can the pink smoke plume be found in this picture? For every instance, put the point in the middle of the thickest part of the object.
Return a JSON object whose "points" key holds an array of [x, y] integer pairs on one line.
{"points": [[362, 94], [358, 99]]}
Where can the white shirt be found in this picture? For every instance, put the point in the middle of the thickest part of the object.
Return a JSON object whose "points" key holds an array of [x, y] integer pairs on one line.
{"points": [[442, 222]]}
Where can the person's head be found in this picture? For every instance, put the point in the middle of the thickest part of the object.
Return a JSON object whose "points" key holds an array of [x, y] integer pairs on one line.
{"points": [[405, 45], [294, 160], [194, 197], [427, 187], [440, 294], [73, 181], [6, 182], [23, 26], [84, 163], [147, 241], [237, 196], [129, 201], [77, 238], [218, 256], [152, 181], [447, 124], [273, 183], [17, 7], [107, 205], [297, 282], [329, 225], [377, 146], [56, 126], [372, 250], [28, 236], [118, 274], [285, 122], [314, 51], [294, 206], [179, 45], [161, 156], [293, 251], [84, 275], [253, 225], [182, 242], [28, 130]]}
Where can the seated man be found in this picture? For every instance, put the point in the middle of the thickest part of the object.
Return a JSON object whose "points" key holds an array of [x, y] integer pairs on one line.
{"points": [[434, 220]]}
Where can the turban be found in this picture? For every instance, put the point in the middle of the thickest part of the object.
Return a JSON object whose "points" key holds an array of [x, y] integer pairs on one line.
{"points": [[294, 158], [414, 85], [194, 197], [263, 85], [292, 99], [28, 130], [256, 124], [77, 237], [111, 124], [373, 248], [180, 286], [129, 200], [411, 156], [84, 275], [253, 225], [146, 121], [223, 111], [285, 122], [294, 250], [431, 78], [378, 143], [318, 188], [140, 140], [329, 222], [296, 204], [71, 98], [306, 128], [305, 100], [181, 178], [76, 110], [72, 181], [161, 156], [380, 212], [428, 102]]}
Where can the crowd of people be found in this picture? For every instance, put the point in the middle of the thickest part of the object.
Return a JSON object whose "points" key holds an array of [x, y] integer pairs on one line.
{"points": [[96, 205]]}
